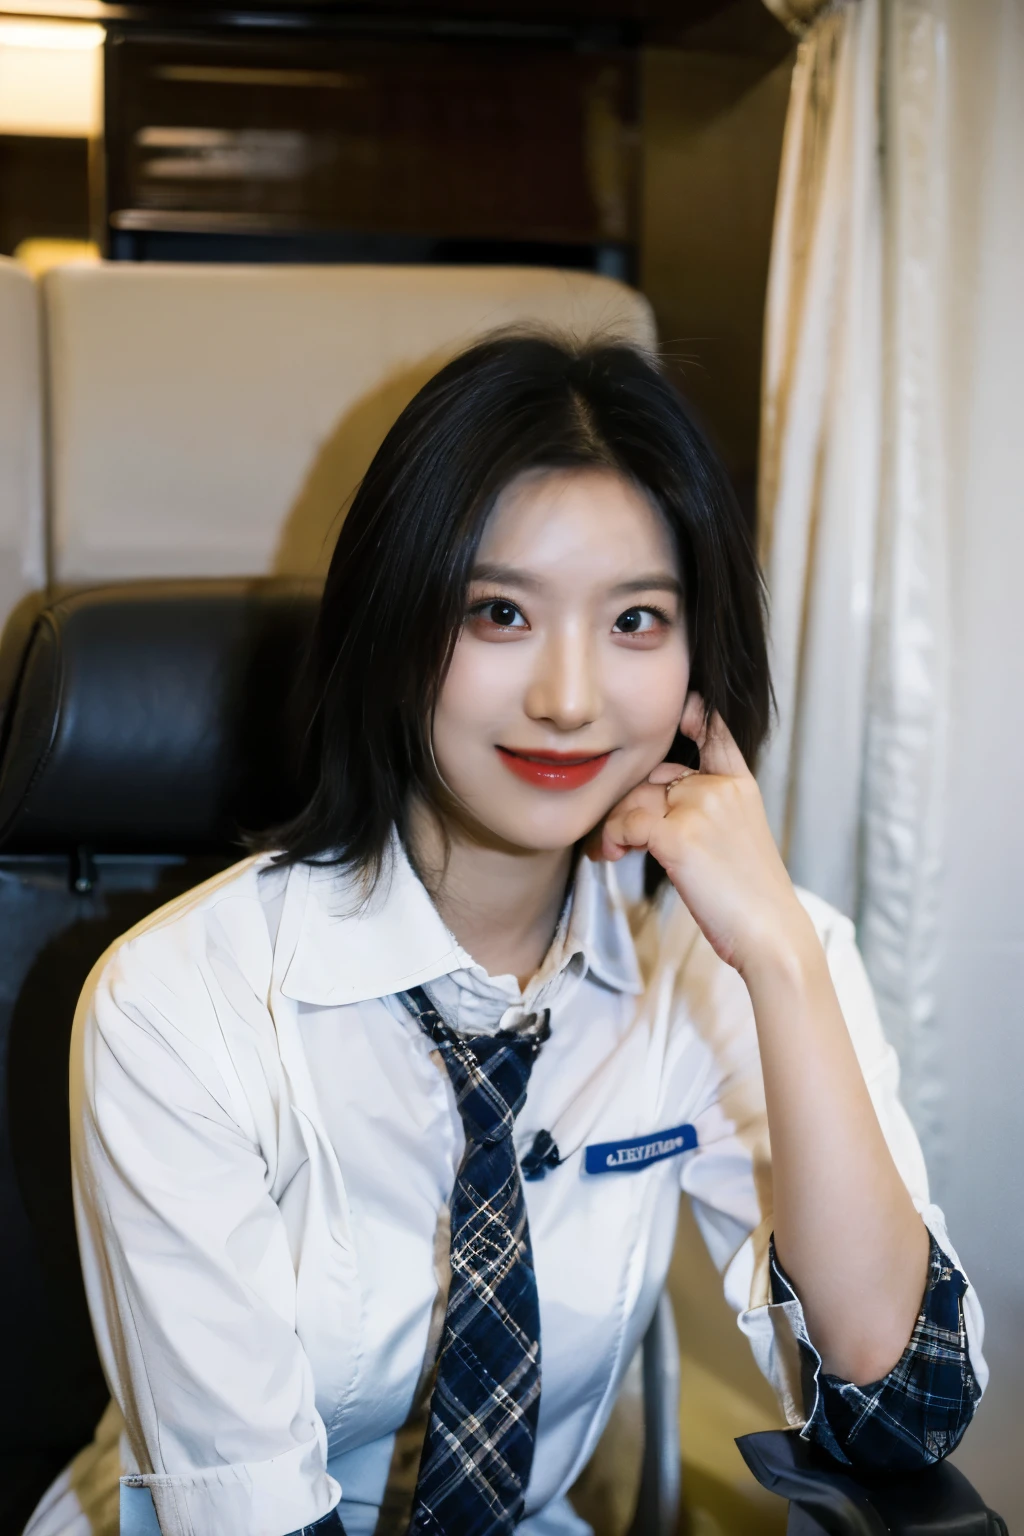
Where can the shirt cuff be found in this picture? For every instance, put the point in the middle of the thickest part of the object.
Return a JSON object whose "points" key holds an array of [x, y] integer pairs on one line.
{"points": [[243, 1499], [915, 1414]]}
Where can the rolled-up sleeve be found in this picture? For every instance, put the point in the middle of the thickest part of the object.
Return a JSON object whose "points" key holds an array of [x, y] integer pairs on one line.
{"points": [[188, 1271], [915, 1414], [919, 1411]]}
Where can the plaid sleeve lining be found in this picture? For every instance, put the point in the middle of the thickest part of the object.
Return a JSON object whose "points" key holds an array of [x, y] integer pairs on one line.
{"points": [[919, 1411]]}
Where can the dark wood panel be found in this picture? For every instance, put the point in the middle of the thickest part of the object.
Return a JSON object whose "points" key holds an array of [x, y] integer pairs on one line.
{"points": [[318, 12], [44, 189], [713, 126], [460, 140]]}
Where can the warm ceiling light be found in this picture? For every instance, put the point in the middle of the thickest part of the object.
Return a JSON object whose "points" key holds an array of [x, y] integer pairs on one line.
{"points": [[50, 34], [51, 78]]}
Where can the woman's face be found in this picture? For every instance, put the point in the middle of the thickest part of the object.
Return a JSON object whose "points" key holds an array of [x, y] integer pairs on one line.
{"points": [[569, 676]]}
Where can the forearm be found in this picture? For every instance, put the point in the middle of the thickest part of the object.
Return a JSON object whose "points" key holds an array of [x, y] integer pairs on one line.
{"points": [[845, 1227]]}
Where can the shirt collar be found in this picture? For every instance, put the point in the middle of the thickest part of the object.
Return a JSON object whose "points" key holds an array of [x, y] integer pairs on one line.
{"points": [[599, 929], [347, 950]]}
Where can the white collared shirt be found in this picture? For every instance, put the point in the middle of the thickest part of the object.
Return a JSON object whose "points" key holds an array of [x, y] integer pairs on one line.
{"points": [[264, 1143]]}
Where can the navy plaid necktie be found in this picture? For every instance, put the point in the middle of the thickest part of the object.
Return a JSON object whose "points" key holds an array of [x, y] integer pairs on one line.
{"points": [[478, 1449]]}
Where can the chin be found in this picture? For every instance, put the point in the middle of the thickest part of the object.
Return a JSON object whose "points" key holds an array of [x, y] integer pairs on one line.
{"points": [[551, 831], [539, 842]]}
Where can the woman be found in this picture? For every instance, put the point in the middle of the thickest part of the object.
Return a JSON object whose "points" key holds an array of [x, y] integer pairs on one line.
{"points": [[379, 1136]]}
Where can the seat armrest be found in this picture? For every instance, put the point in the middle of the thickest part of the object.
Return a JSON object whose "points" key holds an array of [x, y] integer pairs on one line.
{"points": [[849, 1501], [657, 1510]]}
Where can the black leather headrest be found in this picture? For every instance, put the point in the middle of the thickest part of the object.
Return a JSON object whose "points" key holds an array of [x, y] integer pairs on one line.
{"points": [[154, 717]]}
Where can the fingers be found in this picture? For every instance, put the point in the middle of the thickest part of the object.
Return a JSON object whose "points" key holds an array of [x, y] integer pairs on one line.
{"points": [[715, 743], [631, 829], [628, 824], [719, 753], [693, 722], [669, 773]]}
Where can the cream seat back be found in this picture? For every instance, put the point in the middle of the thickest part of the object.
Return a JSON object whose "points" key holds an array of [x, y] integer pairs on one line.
{"points": [[214, 420], [22, 533]]}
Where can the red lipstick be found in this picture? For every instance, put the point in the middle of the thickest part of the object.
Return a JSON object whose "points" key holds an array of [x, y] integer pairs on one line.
{"points": [[553, 770]]}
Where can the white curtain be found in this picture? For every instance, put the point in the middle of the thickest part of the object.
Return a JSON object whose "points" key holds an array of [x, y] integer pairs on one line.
{"points": [[869, 375], [820, 429]]}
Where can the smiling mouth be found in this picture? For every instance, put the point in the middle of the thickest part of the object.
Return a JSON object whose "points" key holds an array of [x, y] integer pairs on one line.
{"points": [[553, 770]]}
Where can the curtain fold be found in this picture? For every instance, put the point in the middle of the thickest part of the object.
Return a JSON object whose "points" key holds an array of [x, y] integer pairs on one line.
{"points": [[907, 728], [892, 513], [798, 14], [852, 496], [819, 465]]}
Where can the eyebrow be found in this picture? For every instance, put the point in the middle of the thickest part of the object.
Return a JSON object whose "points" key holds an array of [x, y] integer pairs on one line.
{"points": [[657, 581], [510, 575]]}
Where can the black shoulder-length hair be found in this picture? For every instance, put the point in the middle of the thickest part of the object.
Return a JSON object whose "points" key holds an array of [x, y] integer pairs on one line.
{"points": [[394, 599]]}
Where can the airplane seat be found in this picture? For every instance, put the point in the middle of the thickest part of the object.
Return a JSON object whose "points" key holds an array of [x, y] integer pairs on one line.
{"points": [[147, 723], [22, 536], [213, 420]]}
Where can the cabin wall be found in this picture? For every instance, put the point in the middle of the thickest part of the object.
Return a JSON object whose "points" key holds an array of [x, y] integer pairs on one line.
{"points": [[980, 985], [713, 127]]}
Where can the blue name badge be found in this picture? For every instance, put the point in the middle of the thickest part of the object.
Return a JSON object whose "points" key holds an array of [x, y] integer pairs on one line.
{"points": [[630, 1156]]}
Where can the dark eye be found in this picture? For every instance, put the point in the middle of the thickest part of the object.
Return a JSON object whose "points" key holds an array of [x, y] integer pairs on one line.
{"points": [[501, 613], [641, 621], [497, 613]]}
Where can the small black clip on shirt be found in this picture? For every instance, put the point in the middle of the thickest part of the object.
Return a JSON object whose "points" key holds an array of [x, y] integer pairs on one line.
{"points": [[542, 1155]]}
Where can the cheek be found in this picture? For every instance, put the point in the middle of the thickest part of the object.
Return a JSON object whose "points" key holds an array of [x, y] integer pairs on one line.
{"points": [[481, 683], [649, 696]]}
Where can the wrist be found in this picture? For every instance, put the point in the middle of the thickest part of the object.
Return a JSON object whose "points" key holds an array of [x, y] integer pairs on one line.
{"points": [[786, 953]]}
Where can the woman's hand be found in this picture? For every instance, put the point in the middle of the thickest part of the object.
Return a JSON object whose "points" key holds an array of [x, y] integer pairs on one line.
{"points": [[708, 830], [845, 1226]]}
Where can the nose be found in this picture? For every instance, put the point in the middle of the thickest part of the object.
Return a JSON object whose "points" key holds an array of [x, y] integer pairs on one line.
{"points": [[564, 688]]}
